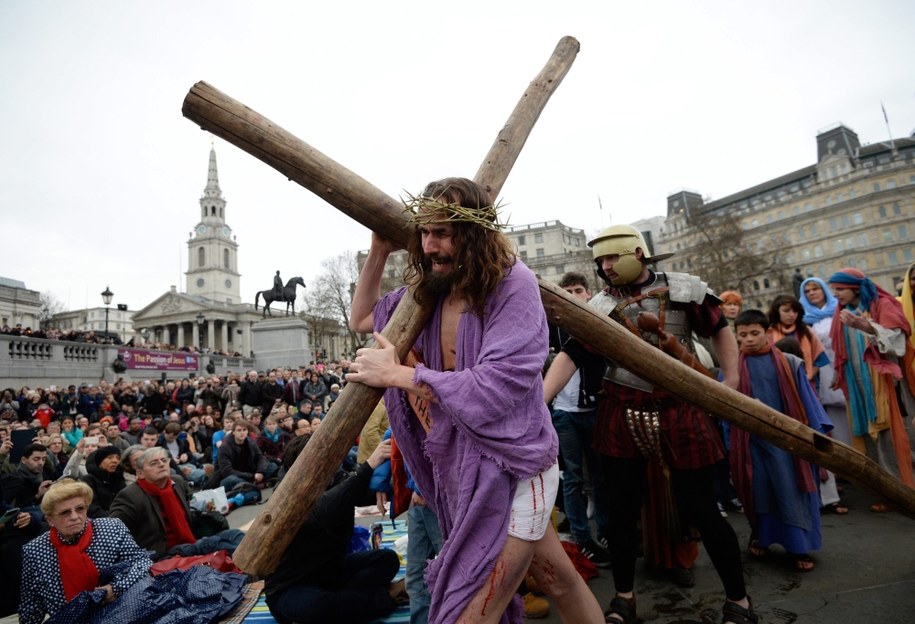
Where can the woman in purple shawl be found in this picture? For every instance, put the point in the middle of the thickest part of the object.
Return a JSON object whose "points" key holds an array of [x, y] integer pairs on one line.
{"points": [[486, 441]]}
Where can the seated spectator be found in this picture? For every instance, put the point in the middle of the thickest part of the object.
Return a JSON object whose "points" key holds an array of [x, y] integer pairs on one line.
{"points": [[57, 459], [25, 487], [227, 424], [317, 411], [316, 580], [106, 478], [332, 396], [175, 441], [129, 459], [6, 446], [135, 428], [255, 419], [150, 437], [67, 560], [315, 423], [240, 461], [303, 427], [272, 441], [76, 465], [115, 439], [72, 434], [157, 513], [288, 424], [13, 536]]}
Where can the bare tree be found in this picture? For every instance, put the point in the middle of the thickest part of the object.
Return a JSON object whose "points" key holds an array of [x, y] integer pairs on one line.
{"points": [[330, 295], [50, 305], [725, 257]]}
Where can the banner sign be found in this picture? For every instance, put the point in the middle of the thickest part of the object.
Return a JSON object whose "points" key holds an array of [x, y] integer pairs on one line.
{"points": [[142, 359]]}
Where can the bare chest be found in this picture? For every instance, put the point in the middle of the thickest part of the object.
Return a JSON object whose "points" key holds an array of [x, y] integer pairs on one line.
{"points": [[451, 315]]}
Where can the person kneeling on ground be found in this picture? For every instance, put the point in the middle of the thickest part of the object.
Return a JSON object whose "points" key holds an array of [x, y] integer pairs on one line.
{"points": [[316, 580], [156, 511]]}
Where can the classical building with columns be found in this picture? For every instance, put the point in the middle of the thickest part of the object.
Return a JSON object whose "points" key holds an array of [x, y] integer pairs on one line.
{"points": [[209, 314]]}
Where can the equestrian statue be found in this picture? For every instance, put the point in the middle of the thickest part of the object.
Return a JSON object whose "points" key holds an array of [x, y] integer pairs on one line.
{"points": [[279, 293]]}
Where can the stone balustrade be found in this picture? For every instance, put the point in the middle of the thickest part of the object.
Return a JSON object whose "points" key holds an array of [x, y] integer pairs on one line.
{"points": [[39, 362]]}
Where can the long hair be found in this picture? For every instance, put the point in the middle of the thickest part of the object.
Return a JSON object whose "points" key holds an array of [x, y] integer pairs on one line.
{"points": [[482, 255], [775, 318]]}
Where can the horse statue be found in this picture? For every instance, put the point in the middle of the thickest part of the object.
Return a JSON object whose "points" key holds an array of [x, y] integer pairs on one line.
{"points": [[288, 296]]}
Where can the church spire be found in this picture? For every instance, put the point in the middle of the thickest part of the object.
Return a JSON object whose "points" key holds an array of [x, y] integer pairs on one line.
{"points": [[212, 188], [212, 203]]}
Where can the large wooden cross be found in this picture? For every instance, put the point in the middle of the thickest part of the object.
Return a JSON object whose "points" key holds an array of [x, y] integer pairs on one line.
{"points": [[284, 513]]}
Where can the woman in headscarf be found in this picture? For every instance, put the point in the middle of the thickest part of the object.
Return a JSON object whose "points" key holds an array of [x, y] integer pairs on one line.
{"points": [[869, 335], [819, 307]]}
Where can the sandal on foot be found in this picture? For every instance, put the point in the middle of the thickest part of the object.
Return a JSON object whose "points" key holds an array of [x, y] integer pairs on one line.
{"points": [[756, 550], [624, 608], [733, 613], [881, 507], [803, 563], [836, 508]]}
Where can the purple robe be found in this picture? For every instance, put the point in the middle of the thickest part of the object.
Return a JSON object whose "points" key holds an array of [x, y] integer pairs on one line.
{"points": [[491, 429]]}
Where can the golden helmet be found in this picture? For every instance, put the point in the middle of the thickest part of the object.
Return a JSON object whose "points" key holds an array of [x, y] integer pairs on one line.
{"points": [[622, 240]]}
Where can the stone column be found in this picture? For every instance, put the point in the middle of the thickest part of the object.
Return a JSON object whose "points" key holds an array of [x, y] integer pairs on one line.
{"points": [[196, 335], [166, 335], [211, 335], [224, 336], [181, 342]]}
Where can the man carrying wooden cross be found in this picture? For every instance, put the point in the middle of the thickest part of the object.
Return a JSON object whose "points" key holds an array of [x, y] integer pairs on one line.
{"points": [[487, 464]]}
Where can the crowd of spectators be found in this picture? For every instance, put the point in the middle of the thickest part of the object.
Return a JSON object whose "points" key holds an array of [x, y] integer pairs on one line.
{"points": [[180, 435]]}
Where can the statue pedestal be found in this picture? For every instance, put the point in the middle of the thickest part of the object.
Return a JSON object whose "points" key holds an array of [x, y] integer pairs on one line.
{"points": [[281, 342]]}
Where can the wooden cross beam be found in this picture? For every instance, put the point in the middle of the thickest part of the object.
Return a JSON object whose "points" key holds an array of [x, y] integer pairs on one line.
{"points": [[287, 508]]}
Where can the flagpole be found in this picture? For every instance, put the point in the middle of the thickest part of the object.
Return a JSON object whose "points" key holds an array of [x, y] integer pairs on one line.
{"points": [[888, 131]]}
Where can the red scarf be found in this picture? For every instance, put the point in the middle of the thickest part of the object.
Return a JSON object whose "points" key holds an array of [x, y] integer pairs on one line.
{"points": [[741, 464], [177, 529], [77, 571]]}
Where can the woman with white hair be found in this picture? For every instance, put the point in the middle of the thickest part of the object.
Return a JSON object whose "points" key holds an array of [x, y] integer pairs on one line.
{"points": [[67, 560]]}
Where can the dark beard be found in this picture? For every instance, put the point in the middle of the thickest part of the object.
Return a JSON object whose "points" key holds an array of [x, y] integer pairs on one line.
{"points": [[438, 284]]}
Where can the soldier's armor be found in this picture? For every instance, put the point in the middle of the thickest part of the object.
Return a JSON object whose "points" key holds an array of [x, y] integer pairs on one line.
{"points": [[655, 298]]}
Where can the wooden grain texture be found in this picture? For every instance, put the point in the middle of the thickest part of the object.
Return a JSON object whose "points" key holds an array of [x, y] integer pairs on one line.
{"points": [[273, 530], [616, 342]]}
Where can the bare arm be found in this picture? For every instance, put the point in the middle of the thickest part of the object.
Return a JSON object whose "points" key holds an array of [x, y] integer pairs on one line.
{"points": [[368, 288], [725, 346], [561, 370]]}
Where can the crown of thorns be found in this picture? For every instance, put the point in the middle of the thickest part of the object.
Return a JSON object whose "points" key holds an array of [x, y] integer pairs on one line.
{"points": [[426, 210]]}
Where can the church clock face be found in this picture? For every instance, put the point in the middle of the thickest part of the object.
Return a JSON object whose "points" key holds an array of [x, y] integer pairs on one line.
{"points": [[200, 282], [226, 231], [228, 283], [201, 229]]}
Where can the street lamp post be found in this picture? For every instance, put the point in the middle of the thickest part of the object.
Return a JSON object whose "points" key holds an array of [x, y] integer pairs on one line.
{"points": [[106, 297]]}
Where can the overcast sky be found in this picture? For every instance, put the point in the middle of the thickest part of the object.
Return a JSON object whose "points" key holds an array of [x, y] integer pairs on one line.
{"points": [[100, 174]]}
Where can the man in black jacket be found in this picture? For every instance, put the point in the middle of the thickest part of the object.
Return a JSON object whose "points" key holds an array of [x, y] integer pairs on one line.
{"points": [[249, 395], [240, 461], [316, 581]]}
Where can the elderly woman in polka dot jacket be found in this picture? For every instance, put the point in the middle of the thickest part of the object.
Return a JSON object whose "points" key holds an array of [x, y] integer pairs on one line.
{"points": [[66, 560]]}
